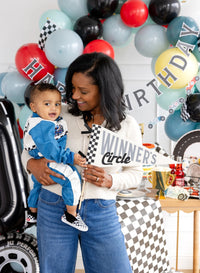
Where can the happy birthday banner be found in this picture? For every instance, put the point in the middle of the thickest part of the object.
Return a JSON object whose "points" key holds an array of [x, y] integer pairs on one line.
{"points": [[171, 68], [174, 69], [107, 149]]}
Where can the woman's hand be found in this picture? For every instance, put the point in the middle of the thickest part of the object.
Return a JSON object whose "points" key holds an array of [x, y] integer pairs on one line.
{"points": [[97, 176], [41, 171]]}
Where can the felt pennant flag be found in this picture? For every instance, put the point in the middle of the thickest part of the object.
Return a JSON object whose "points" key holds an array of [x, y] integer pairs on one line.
{"points": [[107, 149], [47, 29]]}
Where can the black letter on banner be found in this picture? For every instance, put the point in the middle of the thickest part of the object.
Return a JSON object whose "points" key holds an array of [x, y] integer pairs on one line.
{"points": [[47, 78], [128, 102], [154, 86], [142, 96], [185, 47], [34, 69], [189, 32], [107, 143], [164, 79], [60, 86], [176, 64]]}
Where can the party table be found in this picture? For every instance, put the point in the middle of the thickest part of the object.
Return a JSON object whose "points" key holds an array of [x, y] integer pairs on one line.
{"points": [[191, 205], [142, 225]]}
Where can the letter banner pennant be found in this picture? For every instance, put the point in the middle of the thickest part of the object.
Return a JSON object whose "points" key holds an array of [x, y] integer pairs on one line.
{"points": [[107, 149]]}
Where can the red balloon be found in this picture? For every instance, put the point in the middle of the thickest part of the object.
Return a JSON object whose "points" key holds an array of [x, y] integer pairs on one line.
{"points": [[134, 13], [99, 46], [32, 63]]}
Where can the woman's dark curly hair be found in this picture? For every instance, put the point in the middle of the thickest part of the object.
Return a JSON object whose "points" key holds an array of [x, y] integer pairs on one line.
{"points": [[107, 76]]}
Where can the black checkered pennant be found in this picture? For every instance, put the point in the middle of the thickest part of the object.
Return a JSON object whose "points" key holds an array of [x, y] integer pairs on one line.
{"points": [[93, 143], [184, 113], [47, 29], [198, 42], [143, 228], [160, 149]]}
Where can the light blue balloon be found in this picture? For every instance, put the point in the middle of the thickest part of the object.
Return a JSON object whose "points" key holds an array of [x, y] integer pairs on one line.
{"points": [[115, 31], [151, 40], [175, 27], [24, 114], [74, 8], [153, 62], [59, 18], [59, 75], [13, 86], [63, 47], [175, 127], [149, 21], [1, 78], [170, 98]]}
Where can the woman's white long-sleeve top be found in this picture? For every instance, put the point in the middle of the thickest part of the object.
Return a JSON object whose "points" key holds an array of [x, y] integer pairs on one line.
{"points": [[122, 177]]}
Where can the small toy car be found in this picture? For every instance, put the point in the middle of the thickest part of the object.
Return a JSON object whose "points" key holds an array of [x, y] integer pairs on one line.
{"points": [[194, 192], [155, 121], [177, 192], [175, 104], [191, 85]]}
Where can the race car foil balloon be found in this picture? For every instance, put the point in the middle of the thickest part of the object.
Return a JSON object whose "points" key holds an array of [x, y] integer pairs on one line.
{"points": [[14, 185]]}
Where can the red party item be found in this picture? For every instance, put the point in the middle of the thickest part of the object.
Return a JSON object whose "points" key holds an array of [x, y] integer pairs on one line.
{"points": [[134, 13], [32, 63], [99, 46], [21, 133]]}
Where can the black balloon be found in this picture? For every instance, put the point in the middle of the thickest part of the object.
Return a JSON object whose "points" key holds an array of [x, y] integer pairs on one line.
{"points": [[163, 12], [102, 8], [193, 106], [88, 28]]}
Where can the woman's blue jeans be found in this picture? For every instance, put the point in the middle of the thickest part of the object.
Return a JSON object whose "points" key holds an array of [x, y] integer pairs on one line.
{"points": [[102, 246]]}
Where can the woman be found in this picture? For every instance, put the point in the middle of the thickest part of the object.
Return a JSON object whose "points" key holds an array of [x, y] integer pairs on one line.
{"points": [[94, 91]]}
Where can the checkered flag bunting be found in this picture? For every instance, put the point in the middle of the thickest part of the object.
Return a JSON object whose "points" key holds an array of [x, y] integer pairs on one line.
{"points": [[142, 225], [92, 147], [159, 149], [184, 113], [47, 29], [198, 42]]}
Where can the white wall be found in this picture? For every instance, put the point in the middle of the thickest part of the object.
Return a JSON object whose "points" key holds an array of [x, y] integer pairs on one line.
{"points": [[19, 21]]}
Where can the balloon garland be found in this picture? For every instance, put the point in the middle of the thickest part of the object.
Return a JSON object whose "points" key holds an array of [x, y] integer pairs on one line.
{"points": [[85, 26]]}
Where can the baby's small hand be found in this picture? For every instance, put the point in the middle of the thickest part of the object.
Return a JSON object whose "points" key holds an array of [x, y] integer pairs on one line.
{"points": [[79, 160]]}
